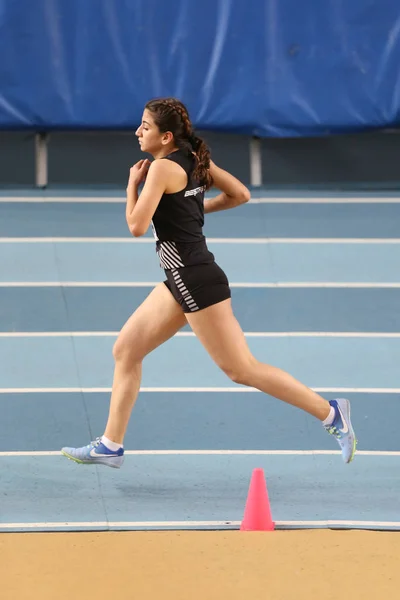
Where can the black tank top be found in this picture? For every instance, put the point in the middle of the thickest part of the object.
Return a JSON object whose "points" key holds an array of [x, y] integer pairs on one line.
{"points": [[178, 222]]}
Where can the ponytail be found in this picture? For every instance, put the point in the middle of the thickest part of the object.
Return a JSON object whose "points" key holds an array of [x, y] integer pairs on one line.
{"points": [[202, 156]]}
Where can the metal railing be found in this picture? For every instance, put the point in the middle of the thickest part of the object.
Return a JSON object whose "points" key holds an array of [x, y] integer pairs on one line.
{"points": [[41, 160]]}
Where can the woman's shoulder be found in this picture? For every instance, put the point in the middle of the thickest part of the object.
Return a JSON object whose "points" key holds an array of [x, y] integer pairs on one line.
{"points": [[183, 158], [175, 162]]}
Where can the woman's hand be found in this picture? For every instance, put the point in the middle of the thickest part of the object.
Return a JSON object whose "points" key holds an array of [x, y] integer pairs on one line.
{"points": [[233, 191], [138, 172], [229, 184]]}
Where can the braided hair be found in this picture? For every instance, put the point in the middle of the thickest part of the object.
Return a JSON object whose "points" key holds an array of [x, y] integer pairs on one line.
{"points": [[171, 115]]}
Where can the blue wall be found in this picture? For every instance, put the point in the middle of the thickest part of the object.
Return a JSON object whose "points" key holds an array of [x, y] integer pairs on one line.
{"points": [[269, 68]]}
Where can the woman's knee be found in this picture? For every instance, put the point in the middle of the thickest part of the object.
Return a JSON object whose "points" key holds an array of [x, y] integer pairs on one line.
{"points": [[241, 372], [118, 350], [125, 352]]}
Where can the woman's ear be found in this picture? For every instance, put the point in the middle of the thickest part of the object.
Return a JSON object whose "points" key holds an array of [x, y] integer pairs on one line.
{"points": [[167, 138]]}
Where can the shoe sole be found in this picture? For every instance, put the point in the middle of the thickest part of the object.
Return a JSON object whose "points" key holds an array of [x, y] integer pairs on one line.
{"points": [[89, 462]]}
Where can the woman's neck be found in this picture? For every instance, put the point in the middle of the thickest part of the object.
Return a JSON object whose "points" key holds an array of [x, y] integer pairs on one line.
{"points": [[164, 152]]}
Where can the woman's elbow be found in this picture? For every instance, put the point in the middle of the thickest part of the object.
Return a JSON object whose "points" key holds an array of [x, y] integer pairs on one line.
{"points": [[137, 230], [245, 195]]}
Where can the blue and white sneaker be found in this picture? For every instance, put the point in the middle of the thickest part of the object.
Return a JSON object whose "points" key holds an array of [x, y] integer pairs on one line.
{"points": [[342, 429], [95, 453]]}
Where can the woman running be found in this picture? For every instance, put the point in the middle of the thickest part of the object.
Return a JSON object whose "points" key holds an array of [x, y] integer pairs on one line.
{"points": [[196, 290]]}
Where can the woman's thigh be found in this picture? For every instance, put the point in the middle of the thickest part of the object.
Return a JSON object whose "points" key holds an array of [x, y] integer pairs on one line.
{"points": [[155, 321], [221, 335]]}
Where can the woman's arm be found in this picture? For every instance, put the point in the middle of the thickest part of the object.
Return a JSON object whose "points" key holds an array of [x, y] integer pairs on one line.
{"points": [[233, 192], [140, 209]]}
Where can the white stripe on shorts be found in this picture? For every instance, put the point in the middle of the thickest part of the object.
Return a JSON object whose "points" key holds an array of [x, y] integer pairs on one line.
{"points": [[184, 291]]}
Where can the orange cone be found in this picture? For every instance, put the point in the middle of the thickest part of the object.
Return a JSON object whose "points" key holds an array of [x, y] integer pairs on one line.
{"points": [[257, 513]]}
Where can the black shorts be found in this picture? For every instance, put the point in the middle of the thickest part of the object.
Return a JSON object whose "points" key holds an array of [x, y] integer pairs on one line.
{"points": [[198, 287]]}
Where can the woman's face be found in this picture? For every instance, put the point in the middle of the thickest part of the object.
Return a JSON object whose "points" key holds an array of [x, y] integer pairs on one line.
{"points": [[149, 136]]}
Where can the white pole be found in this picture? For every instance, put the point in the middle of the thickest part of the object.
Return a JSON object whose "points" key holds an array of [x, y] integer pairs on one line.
{"points": [[41, 161], [255, 162]]}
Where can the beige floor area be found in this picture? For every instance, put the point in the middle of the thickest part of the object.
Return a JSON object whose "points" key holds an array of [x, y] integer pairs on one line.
{"points": [[189, 565]]}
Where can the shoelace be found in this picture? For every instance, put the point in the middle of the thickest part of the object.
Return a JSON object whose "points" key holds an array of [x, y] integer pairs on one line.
{"points": [[334, 431], [95, 443]]}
